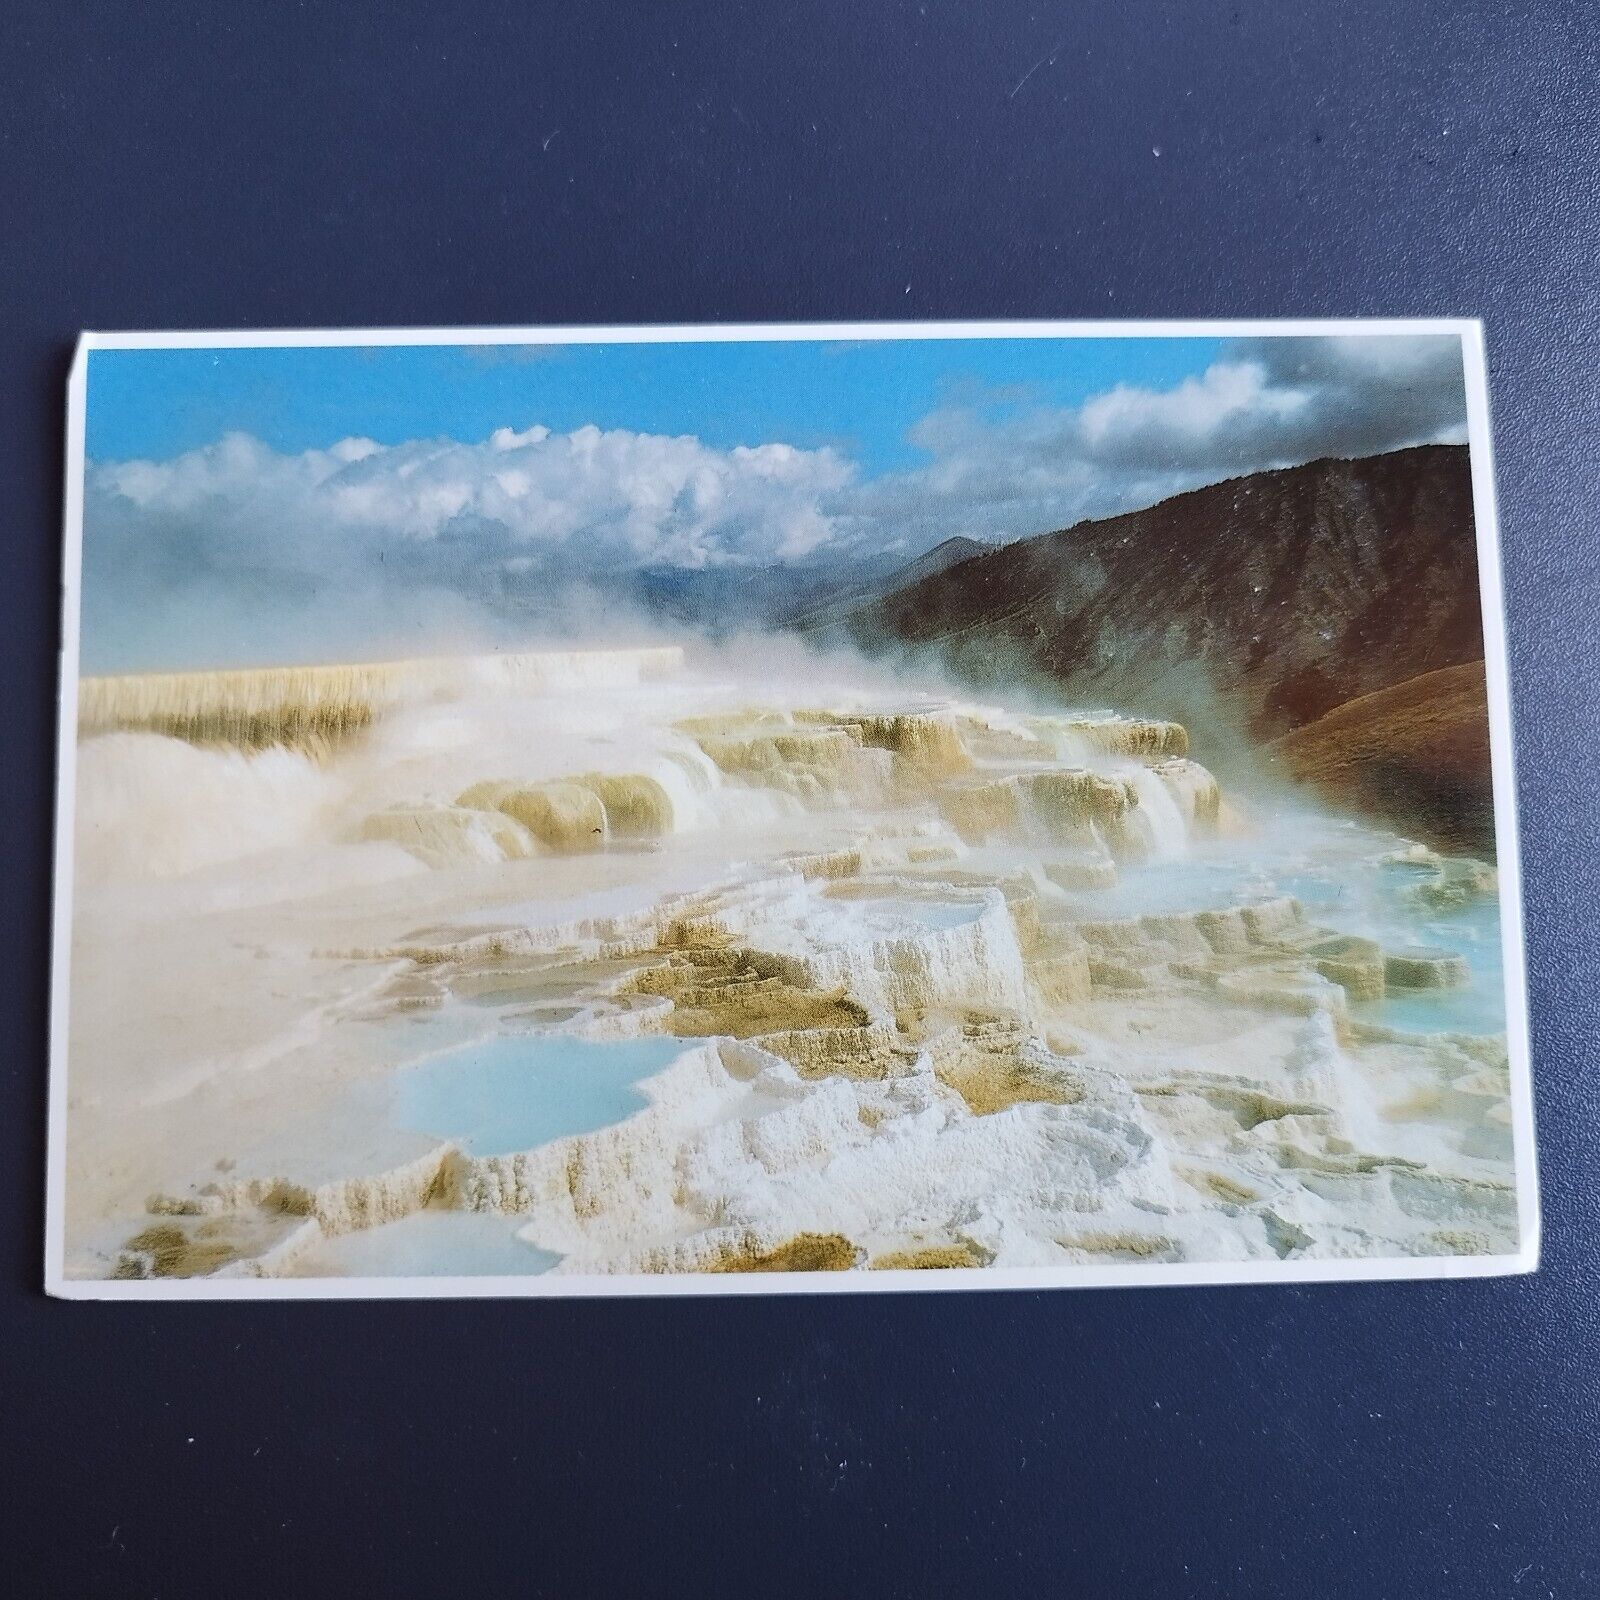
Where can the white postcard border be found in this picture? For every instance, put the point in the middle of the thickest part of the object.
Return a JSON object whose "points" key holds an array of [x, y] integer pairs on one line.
{"points": [[548, 1286]]}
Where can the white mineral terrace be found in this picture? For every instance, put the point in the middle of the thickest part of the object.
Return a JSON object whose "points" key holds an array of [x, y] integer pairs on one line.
{"points": [[604, 963]]}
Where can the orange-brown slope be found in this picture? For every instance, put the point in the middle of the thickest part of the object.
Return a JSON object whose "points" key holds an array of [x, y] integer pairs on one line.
{"points": [[1416, 754]]}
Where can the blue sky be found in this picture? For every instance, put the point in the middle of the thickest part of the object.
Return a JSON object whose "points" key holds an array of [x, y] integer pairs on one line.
{"points": [[861, 397]]}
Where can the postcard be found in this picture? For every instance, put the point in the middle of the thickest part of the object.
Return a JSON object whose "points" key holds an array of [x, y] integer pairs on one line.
{"points": [[784, 809]]}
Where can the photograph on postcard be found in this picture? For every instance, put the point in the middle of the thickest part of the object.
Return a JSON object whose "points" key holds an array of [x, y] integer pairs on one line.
{"points": [[753, 809]]}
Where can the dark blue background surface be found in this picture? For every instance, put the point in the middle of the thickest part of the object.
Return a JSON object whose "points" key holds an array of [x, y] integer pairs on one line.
{"points": [[203, 165]]}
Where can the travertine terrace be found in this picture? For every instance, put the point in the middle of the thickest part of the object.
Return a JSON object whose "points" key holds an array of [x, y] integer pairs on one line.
{"points": [[930, 984]]}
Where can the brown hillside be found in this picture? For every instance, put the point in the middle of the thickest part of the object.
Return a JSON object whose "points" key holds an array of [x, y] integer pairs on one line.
{"points": [[1263, 601], [1416, 754]]}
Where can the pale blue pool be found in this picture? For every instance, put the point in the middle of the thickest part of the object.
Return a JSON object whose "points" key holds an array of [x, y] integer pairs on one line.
{"points": [[462, 1244], [516, 1091]]}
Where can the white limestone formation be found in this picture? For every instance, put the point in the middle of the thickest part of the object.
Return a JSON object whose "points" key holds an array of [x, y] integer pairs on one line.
{"points": [[913, 983]]}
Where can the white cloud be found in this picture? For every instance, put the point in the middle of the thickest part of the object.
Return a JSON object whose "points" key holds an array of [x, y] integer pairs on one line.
{"points": [[1186, 418], [510, 439], [1005, 471], [640, 498]]}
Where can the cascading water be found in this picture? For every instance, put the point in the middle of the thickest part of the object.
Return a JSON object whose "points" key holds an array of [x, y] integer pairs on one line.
{"points": [[1164, 824]]}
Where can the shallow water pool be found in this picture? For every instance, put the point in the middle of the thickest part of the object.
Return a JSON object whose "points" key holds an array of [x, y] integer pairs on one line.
{"points": [[1472, 931], [1337, 871], [518, 1090], [464, 1244]]}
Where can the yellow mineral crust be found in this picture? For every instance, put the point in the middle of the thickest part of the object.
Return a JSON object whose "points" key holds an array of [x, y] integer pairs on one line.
{"points": [[447, 836], [930, 1257], [725, 992], [562, 816], [289, 705], [805, 1252]]}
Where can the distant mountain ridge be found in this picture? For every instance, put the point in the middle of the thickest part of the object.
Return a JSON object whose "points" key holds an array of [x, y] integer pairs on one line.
{"points": [[835, 604], [724, 599], [1277, 596]]}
